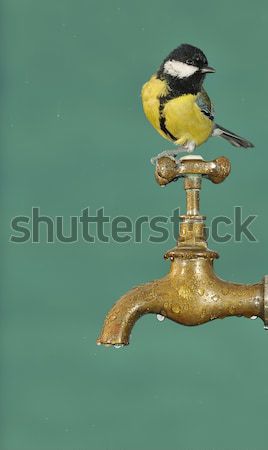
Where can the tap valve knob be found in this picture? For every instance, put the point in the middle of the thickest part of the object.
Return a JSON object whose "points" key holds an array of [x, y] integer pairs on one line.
{"points": [[168, 169]]}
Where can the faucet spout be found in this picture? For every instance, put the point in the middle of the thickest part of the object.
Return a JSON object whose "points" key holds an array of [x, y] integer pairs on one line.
{"points": [[191, 294], [143, 299]]}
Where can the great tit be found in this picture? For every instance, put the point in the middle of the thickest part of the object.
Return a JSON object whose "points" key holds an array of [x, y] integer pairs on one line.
{"points": [[177, 105]]}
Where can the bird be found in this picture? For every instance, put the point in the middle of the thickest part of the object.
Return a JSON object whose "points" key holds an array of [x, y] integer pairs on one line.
{"points": [[177, 105]]}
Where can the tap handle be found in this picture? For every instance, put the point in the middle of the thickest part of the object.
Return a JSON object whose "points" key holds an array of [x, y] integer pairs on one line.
{"points": [[168, 169]]}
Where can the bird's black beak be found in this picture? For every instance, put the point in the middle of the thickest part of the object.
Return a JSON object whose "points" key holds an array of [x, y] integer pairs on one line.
{"points": [[208, 69]]}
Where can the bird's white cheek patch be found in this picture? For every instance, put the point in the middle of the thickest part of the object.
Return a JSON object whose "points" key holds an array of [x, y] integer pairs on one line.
{"points": [[179, 69]]}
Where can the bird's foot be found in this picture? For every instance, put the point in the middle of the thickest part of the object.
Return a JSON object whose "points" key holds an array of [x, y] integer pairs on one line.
{"points": [[169, 153], [185, 145], [188, 147]]}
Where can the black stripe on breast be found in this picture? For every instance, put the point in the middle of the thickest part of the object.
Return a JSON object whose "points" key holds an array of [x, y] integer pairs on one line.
{"points": [[162, 119]]}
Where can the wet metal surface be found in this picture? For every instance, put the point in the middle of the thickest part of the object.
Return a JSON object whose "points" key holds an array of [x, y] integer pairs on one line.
{"points": [[191, 293]]}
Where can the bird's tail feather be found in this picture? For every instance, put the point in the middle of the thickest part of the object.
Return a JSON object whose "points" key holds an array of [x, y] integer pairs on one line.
{"points": [[233, 138]]}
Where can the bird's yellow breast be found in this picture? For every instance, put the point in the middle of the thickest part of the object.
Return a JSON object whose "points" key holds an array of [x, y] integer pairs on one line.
{"points": [[182, 117], [150, 94], [185, 120]]}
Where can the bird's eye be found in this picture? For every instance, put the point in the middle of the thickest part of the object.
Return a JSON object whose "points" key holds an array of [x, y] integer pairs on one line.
{"points": [[189, 61]]}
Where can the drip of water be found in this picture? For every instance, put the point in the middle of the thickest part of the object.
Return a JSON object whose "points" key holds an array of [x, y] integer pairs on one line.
{"points": [[254, 317], [160, 317], [118, 345]]}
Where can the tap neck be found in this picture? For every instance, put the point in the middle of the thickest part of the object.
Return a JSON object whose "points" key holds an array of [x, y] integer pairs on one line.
{"points": [[192, 186], [192, 231]]}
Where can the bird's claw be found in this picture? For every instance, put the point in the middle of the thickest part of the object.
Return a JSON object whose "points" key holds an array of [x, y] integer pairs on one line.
{"points": [[168, 153]]}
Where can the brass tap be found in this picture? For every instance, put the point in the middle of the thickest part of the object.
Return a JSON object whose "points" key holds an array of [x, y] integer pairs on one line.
{"points": [[191, 293]]}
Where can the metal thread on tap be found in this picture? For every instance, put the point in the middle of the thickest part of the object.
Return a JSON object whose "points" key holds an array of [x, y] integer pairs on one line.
{"points": [[192, 186]]}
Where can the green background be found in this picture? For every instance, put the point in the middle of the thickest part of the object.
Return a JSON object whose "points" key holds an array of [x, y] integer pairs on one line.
{"points": [[73, 135]]}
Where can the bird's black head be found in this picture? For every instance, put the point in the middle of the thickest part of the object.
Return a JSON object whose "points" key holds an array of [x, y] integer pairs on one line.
{"points": [[185, 69]]}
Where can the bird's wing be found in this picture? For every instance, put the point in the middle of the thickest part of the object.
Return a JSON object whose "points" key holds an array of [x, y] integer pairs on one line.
{"points": [[204, 103]]}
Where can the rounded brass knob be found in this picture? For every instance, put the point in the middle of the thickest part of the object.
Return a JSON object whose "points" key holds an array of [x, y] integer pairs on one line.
{"points": [[168, 169]]}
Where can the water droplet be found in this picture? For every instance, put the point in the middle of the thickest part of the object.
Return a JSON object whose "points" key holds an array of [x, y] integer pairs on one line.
{"points": [[224, 291], [160, 317], [257, 301], [176, 308], [254, 317], [98, 343], [118, 345]]}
